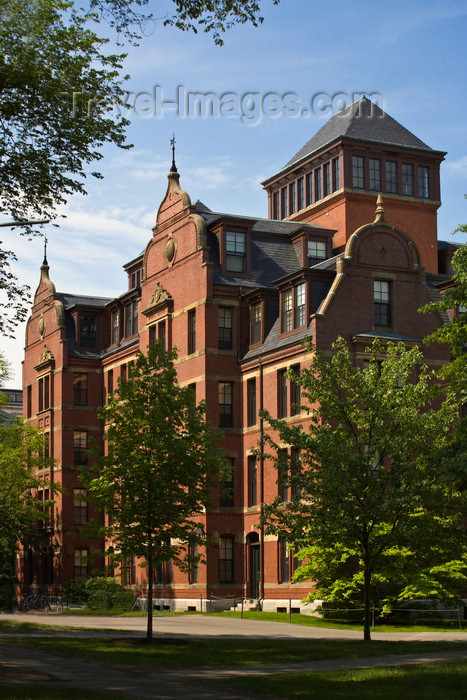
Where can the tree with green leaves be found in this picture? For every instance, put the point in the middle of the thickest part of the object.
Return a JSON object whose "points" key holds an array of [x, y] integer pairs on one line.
{"points": [[214, 17], [61, 100], [160, 464], [373, 517], [54, 77], [22, 450]]}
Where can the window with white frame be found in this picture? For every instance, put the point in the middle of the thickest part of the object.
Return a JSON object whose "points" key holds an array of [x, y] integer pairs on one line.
{"points": [[316, 252], [235, 251], [382, 303]]}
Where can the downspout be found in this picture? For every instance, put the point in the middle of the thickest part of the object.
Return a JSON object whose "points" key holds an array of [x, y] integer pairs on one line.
{"points": [[261, 477]]}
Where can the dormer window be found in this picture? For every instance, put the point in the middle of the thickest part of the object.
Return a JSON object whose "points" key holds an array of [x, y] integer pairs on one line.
{"points": [[135, 278], [299, 306], [87, 331], [287, 302], [293, 307], [131, 319], [316, 252], [256, 323], [115, 334], [235, 251]]}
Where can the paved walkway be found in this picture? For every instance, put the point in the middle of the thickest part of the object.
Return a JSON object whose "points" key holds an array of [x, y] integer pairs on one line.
{"points": [[204, 625], [20, 667]]}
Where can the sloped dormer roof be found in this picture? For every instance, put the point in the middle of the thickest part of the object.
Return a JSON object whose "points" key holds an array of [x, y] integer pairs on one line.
{"points": [[362, 120]]}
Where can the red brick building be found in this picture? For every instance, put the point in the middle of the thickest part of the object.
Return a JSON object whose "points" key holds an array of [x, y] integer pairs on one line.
{"points": [[350, 249]]}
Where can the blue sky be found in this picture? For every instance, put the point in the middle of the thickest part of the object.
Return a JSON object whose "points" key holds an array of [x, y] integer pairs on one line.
{"points": [[412, 53]]}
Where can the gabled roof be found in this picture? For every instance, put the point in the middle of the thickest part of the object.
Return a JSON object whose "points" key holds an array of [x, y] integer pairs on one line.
{"points": [[365, 121]]}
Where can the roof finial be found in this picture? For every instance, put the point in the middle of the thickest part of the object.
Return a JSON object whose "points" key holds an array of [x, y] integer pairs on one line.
{"points": [[379, 218], [173, 169], [45, 250]]}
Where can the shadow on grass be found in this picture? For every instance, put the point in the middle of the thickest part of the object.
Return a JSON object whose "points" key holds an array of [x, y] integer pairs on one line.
{"points": [[424, 682]]}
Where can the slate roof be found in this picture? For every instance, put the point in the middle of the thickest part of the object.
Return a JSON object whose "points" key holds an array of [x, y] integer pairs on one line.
{"points": [[272, 252], [71, 300], [364, 121], [260, 225]]}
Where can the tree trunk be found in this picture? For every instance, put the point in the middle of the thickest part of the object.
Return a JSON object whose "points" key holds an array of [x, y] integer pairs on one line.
{"points": [[150, 568], [366, 605]]}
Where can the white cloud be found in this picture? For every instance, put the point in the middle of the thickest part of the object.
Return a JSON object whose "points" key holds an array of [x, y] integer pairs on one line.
{"points": [[456, 167]]}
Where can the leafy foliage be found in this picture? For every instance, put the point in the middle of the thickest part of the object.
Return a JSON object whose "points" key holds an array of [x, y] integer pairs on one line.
{"points": [[53, 73], [107, 594], [374, 517], [159, 468], [215, 16], [21, 455], [130, 19], [55, 81]]}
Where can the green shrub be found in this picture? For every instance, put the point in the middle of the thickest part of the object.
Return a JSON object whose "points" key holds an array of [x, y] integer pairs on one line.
{"points": [[107, 594], [75, 591]]}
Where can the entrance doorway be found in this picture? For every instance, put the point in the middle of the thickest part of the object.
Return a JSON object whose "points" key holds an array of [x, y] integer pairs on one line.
{"points": [[254, 565]]}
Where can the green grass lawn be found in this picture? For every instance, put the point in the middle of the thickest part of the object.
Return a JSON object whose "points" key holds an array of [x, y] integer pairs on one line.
{"points": [[446, 681], [312, 621], [192, 653]]}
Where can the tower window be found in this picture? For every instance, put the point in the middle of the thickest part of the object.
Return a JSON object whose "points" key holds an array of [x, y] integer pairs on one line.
{"points": [[318, 184], [336, 179], [292, 198], [423, 181], [301, 193], [275, 205], [375, 175], [407, 179], [391, 177], [358, 173], [327, 179], [284, 208], [309, 189]]}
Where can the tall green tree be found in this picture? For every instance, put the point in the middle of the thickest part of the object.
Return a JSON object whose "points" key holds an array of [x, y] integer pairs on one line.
{"points": [[452, 307], [372, 515], [22, 450], [54, 77], [161, 462]]}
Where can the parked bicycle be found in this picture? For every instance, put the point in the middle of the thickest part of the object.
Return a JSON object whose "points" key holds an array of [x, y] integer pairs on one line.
{"points": [[34, 601]]}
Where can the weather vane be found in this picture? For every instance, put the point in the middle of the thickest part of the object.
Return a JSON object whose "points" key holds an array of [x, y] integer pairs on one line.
{"points": [[172, 143], [45, 250]]}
